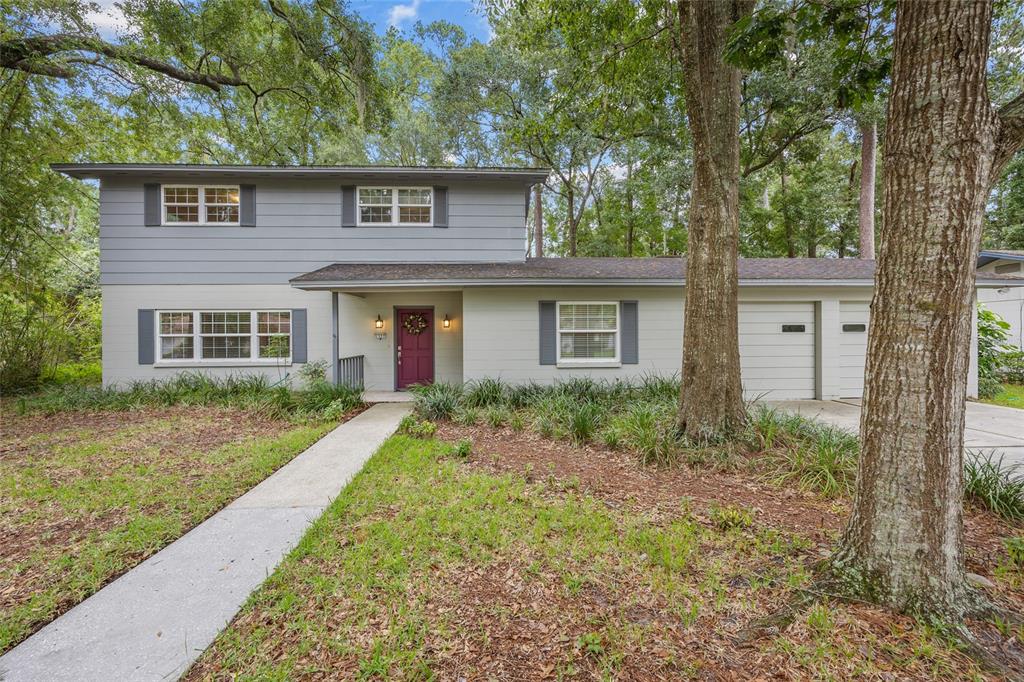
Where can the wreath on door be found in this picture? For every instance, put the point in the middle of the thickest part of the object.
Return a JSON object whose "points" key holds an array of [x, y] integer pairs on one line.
{"points": [[415, 324]]}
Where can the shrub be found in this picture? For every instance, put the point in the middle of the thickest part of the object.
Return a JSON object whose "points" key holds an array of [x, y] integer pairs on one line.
{"points": [[416, 428], [437, 401], [1011, 367], [822, 459], [248, 392], [496, 417], [989, 386], [1015, 550], [730, 517], [545, 425], [313, 372], [463, 448], [612, 436], [650, 433], [484, 393], [467, 416], [335, 410], [994, 486], [80, 373], [584, 419], [993, 333]]}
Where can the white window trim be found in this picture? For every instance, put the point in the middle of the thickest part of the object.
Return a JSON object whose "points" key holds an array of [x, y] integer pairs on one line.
{"points": [[588, 362], [197, 359], [202, 208], [394, 207]]}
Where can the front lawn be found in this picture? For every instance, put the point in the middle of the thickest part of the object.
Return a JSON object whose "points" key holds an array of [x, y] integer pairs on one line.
{"points": [[1010, 395], [86, 495], [526, 558]]}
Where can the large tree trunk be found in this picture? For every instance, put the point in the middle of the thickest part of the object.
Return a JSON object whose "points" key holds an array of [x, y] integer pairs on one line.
{"points": [[868, 143], [903, 545], [711, 398]]}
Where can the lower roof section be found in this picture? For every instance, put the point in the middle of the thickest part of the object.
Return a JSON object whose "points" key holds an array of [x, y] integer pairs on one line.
{"points": [[596, 272]]}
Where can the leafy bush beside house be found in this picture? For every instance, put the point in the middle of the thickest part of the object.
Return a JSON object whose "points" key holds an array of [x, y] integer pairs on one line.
{"points": [[993, 333]]}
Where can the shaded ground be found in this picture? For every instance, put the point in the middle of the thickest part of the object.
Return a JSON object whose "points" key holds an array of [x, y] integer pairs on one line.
{"points": [[84, 496], [533, 559]]}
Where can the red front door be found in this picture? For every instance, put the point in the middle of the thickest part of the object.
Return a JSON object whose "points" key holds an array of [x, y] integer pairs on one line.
{"points": [[414, 353]]}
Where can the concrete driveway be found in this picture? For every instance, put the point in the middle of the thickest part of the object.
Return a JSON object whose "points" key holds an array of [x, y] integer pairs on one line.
{"points": [[988, 427]]}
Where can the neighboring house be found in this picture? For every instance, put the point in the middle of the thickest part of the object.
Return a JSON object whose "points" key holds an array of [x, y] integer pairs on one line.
{"points": [[1007, 302], [397, 276]]}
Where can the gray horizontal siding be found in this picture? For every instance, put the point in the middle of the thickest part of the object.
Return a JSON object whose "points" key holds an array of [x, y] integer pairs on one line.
{"points": [[298, 229]]}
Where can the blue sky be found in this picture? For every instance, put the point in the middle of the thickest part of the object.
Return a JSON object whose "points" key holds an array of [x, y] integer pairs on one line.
{"points": [[402, 14]]}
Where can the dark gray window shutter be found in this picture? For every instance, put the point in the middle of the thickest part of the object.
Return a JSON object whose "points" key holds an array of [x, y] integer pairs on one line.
{"points": [[299, 335], [147, 328], [440, 207], [348, 206], [151, 203], [247, 205], [630, 336], [548, 333]]}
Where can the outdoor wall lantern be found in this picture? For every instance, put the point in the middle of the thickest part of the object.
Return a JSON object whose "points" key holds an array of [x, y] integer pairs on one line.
{"points": [[446, 323], [378, 326]]}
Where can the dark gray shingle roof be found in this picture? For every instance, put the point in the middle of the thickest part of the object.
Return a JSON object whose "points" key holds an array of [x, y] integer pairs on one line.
{"points": [[611, 270]]}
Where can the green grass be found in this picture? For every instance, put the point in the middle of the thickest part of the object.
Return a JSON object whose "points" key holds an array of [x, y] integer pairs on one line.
{"points": [[423, 565], [127, 493], [1010, 395]]}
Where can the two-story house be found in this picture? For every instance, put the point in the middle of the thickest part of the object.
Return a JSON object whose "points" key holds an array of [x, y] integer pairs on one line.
{"points": [[398, 276]]}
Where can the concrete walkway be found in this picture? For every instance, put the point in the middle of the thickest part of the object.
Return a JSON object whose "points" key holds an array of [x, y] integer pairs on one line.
{"points": [[989, 428], [154, 621]]}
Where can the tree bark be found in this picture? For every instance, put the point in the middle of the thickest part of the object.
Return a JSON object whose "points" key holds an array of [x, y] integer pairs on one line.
{"points": [[711, 397], [629, 208], [570, 214], [538, 222], [866, 223], [787, 225], [903, 545]]}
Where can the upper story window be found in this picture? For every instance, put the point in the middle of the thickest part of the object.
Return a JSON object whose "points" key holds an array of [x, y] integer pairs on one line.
{"points": [[200, 204], [396, 205], [588, 332]]}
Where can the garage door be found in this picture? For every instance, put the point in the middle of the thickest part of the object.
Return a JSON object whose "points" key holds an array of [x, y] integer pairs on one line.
{"points": [[853, 347], [777, 350]]}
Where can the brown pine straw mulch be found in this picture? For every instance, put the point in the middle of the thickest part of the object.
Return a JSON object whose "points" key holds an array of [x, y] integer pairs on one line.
{"points": [[619, 479]]}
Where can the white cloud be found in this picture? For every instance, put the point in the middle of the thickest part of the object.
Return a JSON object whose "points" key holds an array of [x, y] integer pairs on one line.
{"points": [[402, 13], [108, 20]]}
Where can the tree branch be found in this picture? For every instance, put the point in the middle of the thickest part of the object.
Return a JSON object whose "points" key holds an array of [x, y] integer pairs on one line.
{"points": [[35, 55], [1011, 132]]}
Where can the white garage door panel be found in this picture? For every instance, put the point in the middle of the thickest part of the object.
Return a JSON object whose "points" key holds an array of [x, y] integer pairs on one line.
{"points": [[777, 365], [852, 348]]}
